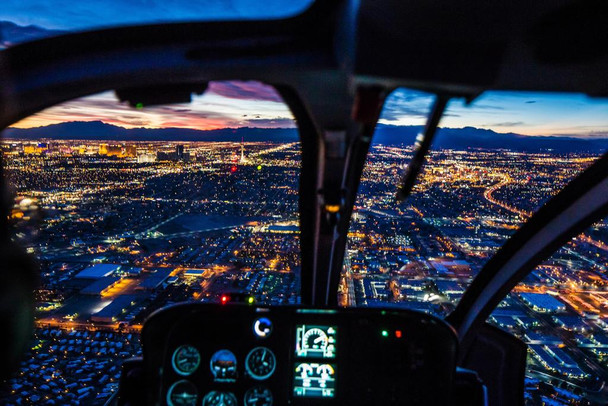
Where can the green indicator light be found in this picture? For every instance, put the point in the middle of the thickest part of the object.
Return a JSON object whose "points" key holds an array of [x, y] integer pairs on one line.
{"points": [[259, 167], [250, 300], [139, 106], [384, 333]]}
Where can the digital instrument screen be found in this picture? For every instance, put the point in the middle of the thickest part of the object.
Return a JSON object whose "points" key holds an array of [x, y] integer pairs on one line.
{"points": [[315, 341], [312, 380]]}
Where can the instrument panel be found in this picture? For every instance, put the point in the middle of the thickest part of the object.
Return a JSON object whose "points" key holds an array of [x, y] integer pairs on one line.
{"points": [[240, 355]]}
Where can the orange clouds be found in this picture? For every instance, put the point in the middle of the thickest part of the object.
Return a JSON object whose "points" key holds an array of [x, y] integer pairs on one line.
{"points": [[224, 105]]}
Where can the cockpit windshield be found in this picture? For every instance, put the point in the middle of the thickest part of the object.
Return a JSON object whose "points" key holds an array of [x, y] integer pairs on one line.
{"points": [[129, 210], [491, 166]]}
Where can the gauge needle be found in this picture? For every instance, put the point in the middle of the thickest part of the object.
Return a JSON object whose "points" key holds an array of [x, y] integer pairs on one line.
{"points": [[318, 339], [263, 355]]}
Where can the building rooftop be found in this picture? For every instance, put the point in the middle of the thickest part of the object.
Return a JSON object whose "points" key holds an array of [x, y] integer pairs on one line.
{"points": [[287, 229], [115, 308], [571, 322], [98, 271], [542, 301], [193, 272], [155, 278], [101, 284]]}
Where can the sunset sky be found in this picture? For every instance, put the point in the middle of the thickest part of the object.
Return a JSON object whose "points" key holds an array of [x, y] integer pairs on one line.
{"points": [[224, 104], [252, 104]]}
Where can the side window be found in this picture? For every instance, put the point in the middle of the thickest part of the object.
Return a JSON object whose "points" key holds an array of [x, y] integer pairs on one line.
{"points": [[561, 310], [129, 210]]}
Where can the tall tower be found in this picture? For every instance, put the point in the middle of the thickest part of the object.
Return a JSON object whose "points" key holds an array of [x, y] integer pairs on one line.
{"points": [[242, 149]]}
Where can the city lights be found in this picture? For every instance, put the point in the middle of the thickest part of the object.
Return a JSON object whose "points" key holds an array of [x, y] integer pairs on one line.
{"points": [[147, 224]]}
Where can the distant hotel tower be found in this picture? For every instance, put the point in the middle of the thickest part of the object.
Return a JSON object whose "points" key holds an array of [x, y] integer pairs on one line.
{"points": [[242, 149]]}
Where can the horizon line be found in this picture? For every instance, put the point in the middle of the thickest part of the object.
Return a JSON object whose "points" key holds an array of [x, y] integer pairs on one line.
{"points": [[562, 136]]}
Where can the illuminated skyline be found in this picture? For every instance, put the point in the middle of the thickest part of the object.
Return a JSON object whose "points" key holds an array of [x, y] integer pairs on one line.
{"points": [[170, 228]]}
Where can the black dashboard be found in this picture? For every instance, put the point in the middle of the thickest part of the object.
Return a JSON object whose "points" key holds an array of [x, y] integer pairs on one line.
{"points": [[229, 355]]}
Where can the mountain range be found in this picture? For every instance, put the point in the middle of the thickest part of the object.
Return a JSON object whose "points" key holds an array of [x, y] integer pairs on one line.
{"points": [[449, 138], [99, 131], [472, 137], [11, 33]]}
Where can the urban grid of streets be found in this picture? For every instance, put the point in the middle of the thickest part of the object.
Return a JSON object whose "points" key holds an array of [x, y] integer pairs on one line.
{"points": [[122, 230]]}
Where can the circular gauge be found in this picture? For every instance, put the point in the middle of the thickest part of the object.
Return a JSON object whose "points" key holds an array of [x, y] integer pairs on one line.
{"points": [[315, 339], [262, 327], [258, 396], [182, 393], [223, 366], [260, 363], [215, 398], [185, 360]]}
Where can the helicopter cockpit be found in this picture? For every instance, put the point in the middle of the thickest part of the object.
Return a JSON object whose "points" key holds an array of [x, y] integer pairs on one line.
{"points": [[335, 67]]}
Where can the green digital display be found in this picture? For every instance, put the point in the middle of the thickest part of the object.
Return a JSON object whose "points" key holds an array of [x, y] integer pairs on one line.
{"points": [[313, 380], [316, 341]]}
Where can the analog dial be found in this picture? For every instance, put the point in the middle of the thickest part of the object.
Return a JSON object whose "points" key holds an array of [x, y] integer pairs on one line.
{"points": [[182, 393], [216, 398], [260, 363], [258, 396], [223, 366], [186, 360]]}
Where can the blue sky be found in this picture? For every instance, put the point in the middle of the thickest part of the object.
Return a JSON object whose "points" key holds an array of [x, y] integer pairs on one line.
{"points": [[528, 113], [78, 15]]}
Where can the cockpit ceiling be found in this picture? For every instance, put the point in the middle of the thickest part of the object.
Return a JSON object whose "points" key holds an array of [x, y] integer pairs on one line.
{"points": [[460, 48], [467, 45]]}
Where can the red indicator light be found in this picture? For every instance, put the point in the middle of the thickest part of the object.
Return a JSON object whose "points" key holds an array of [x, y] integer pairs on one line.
{"points": [[233, 169], [224, 299], [398, 333]]}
